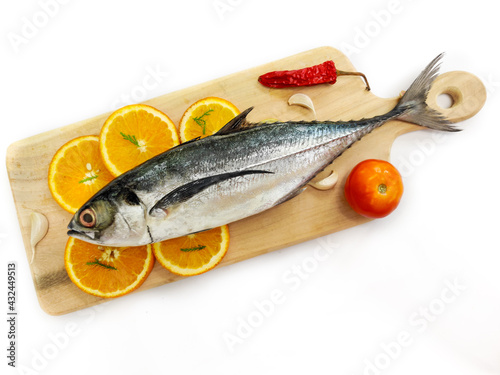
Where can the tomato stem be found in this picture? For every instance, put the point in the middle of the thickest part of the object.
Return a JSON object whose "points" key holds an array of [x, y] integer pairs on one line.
{"points": [[382, 188]]}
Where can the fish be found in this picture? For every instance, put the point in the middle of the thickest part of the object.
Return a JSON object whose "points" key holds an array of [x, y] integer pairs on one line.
{"points": [[242, 170]]}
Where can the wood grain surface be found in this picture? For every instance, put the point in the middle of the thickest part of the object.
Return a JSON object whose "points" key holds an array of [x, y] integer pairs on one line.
{"points": [[312, 214]]}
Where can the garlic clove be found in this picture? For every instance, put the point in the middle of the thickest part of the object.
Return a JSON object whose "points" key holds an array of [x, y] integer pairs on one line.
{"points": [[326, 183], [302, 100], [39, 228]]}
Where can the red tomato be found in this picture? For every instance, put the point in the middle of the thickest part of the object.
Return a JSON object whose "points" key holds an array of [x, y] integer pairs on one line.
{"points": [[374, 188]]}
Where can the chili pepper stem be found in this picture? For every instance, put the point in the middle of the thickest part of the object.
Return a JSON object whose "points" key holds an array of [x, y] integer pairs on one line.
{"points": [[343, 73]]}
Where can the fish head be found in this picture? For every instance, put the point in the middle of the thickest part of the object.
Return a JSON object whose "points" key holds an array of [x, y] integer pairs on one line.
{"points": [[112, 218]]}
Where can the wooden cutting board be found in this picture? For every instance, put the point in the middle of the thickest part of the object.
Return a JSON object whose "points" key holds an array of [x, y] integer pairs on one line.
{"points": [[312, 214]]}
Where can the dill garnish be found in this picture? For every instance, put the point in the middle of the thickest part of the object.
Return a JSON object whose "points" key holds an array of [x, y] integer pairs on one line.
{"points": [[87, 179], [98, 263], [200, 121], [130, 138], [199, 247]]}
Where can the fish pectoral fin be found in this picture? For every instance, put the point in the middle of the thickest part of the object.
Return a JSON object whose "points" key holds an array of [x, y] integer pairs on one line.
{"points": [[189, 190], [235, 124]]}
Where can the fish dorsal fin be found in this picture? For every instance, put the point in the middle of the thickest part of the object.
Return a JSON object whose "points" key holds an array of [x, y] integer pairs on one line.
{"points": [[189, 190], [235, 124]]}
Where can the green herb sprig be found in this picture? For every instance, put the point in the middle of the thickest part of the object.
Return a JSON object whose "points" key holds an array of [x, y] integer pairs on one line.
{"points": [[97, 262], [130, 138], [199, 247], [201, 121], [88, 179]]}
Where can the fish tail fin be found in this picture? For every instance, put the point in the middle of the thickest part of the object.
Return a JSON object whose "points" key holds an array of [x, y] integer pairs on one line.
{"points": [[413, 107]]}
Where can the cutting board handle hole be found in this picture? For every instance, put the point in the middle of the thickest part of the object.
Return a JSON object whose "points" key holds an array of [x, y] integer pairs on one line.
{"points": [[467, 93], [445, 101], [450, 97]]}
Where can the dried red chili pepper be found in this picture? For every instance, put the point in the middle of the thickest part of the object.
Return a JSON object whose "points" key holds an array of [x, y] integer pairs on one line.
{"points": [[313, 75]]}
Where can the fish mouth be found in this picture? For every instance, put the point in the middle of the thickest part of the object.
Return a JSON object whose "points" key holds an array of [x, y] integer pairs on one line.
{"points": [[74, 230], [82, 235]]}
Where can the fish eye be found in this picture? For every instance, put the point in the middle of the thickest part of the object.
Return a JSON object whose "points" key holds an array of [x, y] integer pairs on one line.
{"points": [[88, 218]]}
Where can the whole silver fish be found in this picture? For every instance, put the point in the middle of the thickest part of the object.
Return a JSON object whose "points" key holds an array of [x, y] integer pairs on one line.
{"points": [[242, 170]]}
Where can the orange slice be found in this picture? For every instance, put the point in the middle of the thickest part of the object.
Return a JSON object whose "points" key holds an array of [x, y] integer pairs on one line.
{"points": [[206, 117], [195, 253], [77, 172], [107, 271], [133, 134]]}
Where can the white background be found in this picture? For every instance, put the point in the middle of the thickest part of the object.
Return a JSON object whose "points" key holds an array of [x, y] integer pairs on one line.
{"points": [[346, 313]]}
